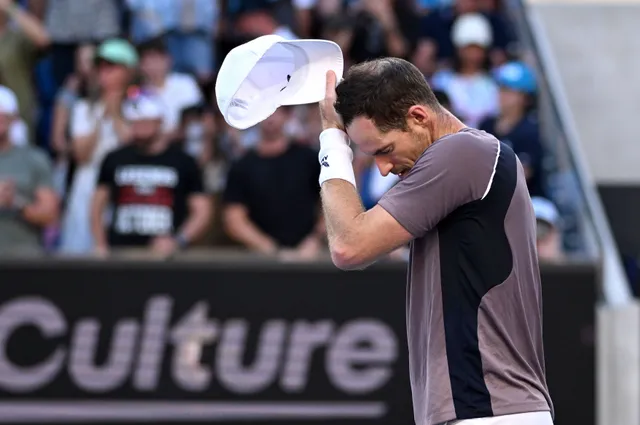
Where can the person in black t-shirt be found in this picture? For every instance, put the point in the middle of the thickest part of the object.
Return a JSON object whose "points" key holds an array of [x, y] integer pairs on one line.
{"points": [[154, 188], [272, 197]]}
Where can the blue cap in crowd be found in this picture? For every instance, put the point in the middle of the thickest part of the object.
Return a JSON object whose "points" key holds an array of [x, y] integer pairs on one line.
{"points": [[516, 76]]}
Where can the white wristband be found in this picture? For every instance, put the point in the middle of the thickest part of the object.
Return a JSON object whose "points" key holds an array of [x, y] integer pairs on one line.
{"points": [[336, 157]]}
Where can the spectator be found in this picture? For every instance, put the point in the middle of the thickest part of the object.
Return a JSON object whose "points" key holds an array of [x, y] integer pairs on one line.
{"points": [[517, 123], [438, 24], [548, 228], [177, 90], [189, 28], [272, 195], [472, 91], [19, 48], [383, 28], [154, 187], [193, 134], [18, 132], [72, 23], [81, 84], [28, 202], [97, 127]]}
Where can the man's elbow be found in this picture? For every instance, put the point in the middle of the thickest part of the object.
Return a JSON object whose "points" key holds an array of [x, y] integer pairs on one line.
{"points": [[347, 257]]}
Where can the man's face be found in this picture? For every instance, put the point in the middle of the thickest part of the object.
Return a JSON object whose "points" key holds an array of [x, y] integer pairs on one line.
{"points": [[274, 125], [154, 64], [145, 131], [394, 152], [472, 55], [112, 76], [511, 100]]}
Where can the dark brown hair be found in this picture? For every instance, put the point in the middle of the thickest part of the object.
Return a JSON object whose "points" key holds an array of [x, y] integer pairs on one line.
{"points": [[383, 90]]}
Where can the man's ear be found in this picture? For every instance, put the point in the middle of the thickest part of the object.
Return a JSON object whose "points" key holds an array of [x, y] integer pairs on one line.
{"points": [[418, 115]]}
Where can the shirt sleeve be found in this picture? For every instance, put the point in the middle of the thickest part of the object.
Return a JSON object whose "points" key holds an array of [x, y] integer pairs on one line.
{"points": [[454, 171], [193, 174], [106, 175]]}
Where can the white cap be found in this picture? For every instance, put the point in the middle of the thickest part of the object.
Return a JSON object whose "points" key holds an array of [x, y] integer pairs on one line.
{"points": [[8, 101], [472, 29], [268, 72], [545, 210], [143, 106]]}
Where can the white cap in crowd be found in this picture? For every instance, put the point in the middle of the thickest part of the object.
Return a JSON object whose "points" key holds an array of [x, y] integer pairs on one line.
{"points": [[258, 77], [8, 101], [143, 106], [546, 211], [472, 29]]}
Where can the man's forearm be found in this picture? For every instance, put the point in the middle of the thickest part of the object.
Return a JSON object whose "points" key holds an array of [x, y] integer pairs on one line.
{"points": [[342, 207], [195, 226], [40, 215], [253, 238], [98, 230]]}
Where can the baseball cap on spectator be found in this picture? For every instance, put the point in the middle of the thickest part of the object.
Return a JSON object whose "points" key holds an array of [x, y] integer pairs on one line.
{"points": [[143, 105], [546, 211], [118, 51], [8, 101], [472, 29], [258, 77], [516, 76]]}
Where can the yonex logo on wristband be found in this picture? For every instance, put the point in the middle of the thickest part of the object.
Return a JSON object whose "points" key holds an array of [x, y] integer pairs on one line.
{"points": [[324, 162]]}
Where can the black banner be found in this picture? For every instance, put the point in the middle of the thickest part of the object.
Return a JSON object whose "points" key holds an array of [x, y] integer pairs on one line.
{"points": [[239, 343]]}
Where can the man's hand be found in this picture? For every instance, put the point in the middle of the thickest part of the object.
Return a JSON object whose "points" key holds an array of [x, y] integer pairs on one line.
{"points": [[164, 246], [330, 118], [309, 249], [7, 194]]}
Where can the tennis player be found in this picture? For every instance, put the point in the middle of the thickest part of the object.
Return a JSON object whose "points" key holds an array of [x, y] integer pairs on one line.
{"points": [[474, 302]]}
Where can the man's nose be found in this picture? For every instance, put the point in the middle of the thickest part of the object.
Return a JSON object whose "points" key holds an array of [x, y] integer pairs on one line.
{"points": [[384, 166]]}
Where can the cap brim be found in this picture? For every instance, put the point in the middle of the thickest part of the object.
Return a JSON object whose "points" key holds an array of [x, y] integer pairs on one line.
{"points": [[323, 56]]}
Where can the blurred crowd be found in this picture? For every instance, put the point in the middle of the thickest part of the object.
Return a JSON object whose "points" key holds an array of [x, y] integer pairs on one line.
{"points": [[110, 137]]}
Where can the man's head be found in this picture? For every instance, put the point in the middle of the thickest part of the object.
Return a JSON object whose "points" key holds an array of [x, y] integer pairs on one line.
{"points": [[155, 61], [389, 111], [145, 113], [273, 127], [517, 86], [8, 111]]}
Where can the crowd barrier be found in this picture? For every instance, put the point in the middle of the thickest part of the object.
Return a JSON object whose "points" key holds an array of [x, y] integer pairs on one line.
{"points": [[241, 342]]}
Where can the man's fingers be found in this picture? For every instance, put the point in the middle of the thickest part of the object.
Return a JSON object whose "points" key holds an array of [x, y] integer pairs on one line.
{"points": [[331, 85]]}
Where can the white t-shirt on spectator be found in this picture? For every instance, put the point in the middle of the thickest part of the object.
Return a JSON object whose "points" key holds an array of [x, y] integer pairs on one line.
{"points": [[473, 98], [76, 230], [18, 133], [180, 91]]}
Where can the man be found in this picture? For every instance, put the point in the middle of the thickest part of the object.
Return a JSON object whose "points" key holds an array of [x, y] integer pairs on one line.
{"points": [[177, 90], [474, 312], [155, 189], [517, 124], [272, 200], [22, 39], [28, 202]]}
